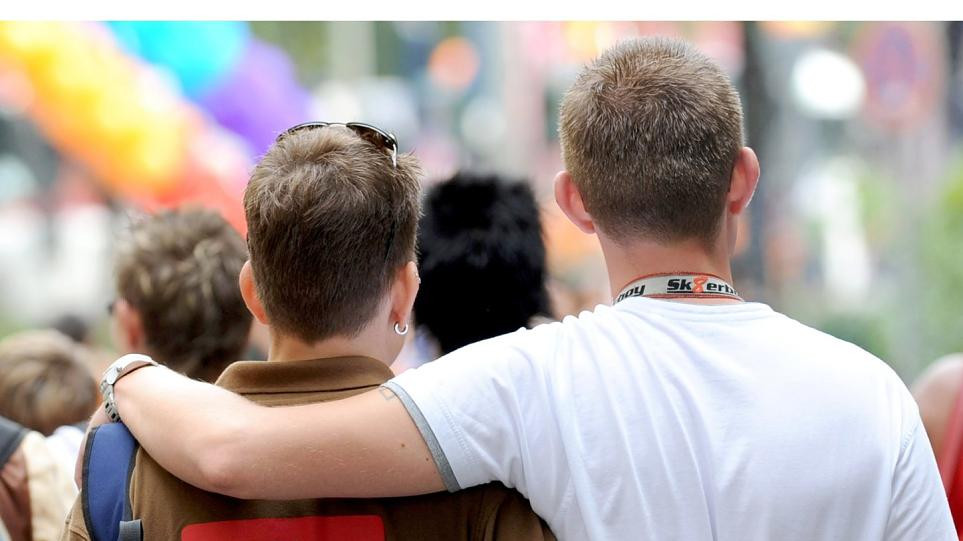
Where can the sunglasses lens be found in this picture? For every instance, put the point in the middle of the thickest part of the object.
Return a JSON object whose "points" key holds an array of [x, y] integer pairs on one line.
{"points": [[374, 136]]}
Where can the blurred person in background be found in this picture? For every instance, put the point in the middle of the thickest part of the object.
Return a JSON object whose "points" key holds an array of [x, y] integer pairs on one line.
{"points": [[481, 258], [332, 216], [35, 490], [177, 293], [44, 381], [74, 327], [939, 393], [46, 386]]}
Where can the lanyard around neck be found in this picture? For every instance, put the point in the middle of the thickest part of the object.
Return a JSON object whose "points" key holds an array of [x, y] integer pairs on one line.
{"points": [[679, 284]]}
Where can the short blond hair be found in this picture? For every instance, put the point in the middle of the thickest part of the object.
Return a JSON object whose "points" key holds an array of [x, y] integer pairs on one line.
{"points": [[650, 133], [45, 381]]}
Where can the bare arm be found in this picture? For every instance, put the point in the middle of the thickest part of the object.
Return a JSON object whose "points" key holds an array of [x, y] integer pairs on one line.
{"points": [[363, 446], [936, 391]]}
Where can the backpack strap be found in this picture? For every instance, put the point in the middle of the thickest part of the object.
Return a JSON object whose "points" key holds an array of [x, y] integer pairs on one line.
{"points": [[131, 530], [108, 466], [11, 434]]}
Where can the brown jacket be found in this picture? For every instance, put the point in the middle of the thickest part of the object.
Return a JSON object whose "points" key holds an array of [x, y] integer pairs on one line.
{"points": [[171, 509], [35, 490]]}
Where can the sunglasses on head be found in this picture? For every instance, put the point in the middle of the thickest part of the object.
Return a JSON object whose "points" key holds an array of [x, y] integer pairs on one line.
{"points": [[375, 136]]}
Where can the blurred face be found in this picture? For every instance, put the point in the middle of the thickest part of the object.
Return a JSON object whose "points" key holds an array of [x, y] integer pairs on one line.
{"points": [[126, 330]]}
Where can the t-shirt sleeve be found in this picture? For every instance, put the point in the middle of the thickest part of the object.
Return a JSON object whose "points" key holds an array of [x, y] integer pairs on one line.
{"points": [[919, 507], [484, 411]]}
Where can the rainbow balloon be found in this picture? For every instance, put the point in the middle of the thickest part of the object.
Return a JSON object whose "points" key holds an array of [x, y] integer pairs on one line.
{"points": [[121, 117]]}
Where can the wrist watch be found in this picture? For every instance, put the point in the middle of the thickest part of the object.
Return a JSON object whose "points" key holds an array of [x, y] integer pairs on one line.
{"points": [[120, 368]]}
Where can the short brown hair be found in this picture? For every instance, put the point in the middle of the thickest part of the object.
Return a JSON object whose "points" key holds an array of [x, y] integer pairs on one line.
{"points": [[45, 381], [179, 269], [330, 220], [650, 132]]}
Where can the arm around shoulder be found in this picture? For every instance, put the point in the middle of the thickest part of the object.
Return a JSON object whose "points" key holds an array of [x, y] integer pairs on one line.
{"points": [[363, 446], [192, 429]]}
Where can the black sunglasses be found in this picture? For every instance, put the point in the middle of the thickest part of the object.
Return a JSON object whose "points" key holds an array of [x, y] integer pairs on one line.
{"points": [[369, 133], [374, 135]]}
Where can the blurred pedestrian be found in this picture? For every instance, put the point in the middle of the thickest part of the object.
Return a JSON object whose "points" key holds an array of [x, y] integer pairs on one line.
{"points": [[481, 258], [939, 393], [177, 292], [35, 489], [46, 386], [44, 381]]}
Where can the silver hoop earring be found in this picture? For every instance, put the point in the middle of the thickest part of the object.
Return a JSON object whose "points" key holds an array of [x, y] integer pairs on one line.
{"points": [[399, 330]]}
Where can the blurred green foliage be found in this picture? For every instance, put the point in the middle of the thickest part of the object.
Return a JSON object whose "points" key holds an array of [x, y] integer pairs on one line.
{"points": [[305, 41], [940, 288], [865, 329]]}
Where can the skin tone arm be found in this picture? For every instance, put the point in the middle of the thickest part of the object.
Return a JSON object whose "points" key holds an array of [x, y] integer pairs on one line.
{"points": [[936, 391], [363, 446]]}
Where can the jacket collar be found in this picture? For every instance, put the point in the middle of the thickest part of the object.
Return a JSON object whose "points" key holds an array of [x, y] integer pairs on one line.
{"points": [[311, 376]]}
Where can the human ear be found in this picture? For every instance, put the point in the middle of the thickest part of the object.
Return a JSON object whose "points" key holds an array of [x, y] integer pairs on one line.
{"points": [[570, 201], [742, 184], [403, 293], [249, 294]]}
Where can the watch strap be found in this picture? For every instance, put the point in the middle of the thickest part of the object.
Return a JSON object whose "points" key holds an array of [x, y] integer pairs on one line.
{"points": [[118, 369]]}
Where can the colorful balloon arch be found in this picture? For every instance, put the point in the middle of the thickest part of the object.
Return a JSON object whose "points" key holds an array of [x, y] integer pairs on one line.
{"points": [[163, 113], [246, 85]]}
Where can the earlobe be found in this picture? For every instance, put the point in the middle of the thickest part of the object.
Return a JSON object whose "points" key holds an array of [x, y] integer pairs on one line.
{"points": [[570, 201], [249, 294]]}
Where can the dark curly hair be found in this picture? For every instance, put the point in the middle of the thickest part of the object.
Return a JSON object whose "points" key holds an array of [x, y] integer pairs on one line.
{"points": [[481, 259]]}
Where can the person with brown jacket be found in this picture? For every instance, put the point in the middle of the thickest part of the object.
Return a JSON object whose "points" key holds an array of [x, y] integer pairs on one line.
{"points": [[332, 213]]}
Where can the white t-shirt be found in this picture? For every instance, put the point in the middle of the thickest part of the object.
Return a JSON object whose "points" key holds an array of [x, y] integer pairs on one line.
{"points": [[664, 420]]}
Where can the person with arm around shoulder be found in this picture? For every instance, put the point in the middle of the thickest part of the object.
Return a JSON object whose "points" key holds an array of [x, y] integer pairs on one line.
{"points": [[331, 220]]}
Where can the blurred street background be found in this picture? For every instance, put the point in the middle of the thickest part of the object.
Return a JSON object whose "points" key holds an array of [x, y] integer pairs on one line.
{"points": [[857, 227]]}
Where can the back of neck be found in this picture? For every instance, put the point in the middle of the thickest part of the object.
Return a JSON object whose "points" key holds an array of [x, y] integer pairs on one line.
{"points": [[627, 262], [288, 348]]}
